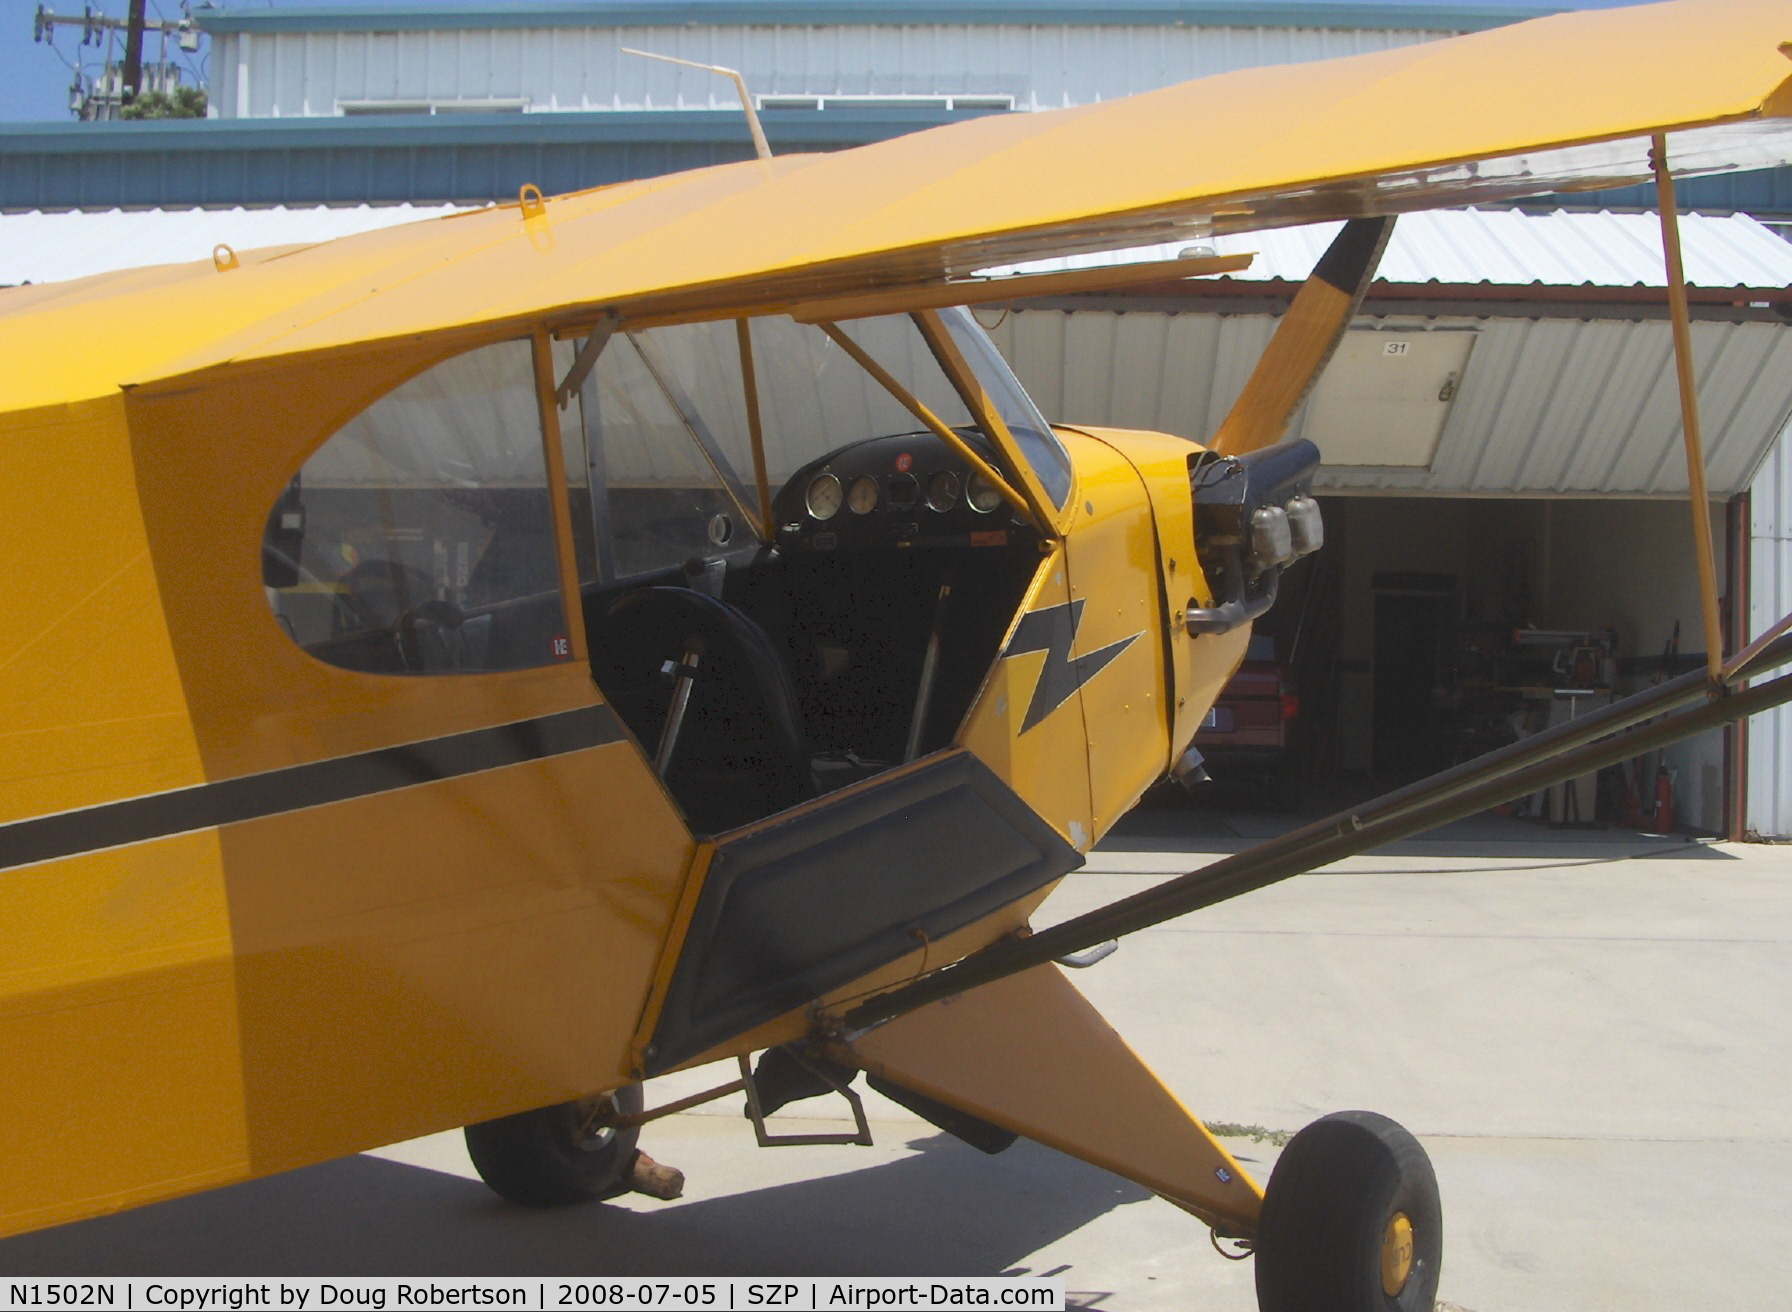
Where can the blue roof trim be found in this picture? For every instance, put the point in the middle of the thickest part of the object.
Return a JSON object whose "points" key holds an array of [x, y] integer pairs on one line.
{"points": [[1764, 193], [1417, 15], [833, 127], [329, 161]]}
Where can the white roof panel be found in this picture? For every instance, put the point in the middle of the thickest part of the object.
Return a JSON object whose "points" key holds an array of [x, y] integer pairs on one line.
{"points": [[1509, 248], [52, 246]]}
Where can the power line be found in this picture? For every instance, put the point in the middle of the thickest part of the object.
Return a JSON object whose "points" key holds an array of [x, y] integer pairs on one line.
{"points": [[102, 30]]}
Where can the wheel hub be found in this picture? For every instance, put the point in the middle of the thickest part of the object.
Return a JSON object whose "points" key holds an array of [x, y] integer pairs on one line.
{"points": [[1396, 1254], [595, 1123]]}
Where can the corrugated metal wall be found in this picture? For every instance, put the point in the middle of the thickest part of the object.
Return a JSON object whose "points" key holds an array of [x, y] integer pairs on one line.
{"points": [[291, 74], [468, 158], [1769, 809], [1546, 405], [351, 173]]}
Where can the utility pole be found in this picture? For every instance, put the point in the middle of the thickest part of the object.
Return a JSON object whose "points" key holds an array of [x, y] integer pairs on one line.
{"points": [[133, 53], [102, 98]]}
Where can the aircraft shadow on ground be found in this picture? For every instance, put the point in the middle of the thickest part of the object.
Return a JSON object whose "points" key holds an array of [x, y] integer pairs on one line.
{"points": [[946, 1210], [1200, 830]]}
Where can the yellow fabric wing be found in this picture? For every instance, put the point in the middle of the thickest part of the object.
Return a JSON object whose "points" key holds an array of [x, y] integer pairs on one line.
{"points": [[1557, 103]]}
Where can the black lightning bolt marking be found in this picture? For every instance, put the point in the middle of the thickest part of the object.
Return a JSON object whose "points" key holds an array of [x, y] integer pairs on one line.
{"points": [[1053, 631]]}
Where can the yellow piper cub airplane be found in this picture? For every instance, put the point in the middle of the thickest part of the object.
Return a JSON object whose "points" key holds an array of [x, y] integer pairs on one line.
{"points": [[454, 673]]}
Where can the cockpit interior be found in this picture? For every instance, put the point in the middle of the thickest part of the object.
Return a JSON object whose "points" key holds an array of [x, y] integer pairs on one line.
{"points": [[795, 568]]}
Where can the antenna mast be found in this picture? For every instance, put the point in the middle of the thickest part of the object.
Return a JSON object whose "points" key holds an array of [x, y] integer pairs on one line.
{"points": [[760, 145]]}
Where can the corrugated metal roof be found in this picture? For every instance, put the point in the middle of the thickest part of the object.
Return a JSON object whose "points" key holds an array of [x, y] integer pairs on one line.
{"points": [[1545, 406], [418, 158], [51, 247], [1510, 248]]}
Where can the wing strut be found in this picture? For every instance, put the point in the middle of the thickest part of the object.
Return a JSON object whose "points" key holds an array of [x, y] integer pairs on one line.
{"points": [[1306, 338], [1688, 705], [1689, 405]]}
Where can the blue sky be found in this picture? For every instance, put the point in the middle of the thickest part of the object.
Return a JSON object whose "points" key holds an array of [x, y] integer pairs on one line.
{"points": [[34, 79]]}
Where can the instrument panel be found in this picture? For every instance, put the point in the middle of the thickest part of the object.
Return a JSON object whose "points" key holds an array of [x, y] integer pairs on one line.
{"points": [[904, 490]]}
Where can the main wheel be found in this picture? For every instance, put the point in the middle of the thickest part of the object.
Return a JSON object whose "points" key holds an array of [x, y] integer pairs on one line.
{"points": [[1351, 1221], [557, 1155]]}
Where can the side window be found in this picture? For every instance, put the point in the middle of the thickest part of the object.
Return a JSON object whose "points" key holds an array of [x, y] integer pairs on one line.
{"points": [[419, 539], [664, 488]]}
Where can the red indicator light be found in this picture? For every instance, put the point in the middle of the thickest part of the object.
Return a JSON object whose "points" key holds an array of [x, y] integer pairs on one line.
{"points": [[904, 463]]}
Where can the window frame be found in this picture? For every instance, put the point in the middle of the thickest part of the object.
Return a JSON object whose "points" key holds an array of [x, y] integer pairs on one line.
{"points": [[539, 342]]}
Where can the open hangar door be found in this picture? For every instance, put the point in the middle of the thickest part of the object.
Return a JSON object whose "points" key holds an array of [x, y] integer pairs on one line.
{"points": [[1438, 628], [1501, 438]]}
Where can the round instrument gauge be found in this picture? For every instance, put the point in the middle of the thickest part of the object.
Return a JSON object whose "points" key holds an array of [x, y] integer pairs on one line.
{"points": [[984, 496], [862, 495], [942, 491], [904, 490], [823, 497]]}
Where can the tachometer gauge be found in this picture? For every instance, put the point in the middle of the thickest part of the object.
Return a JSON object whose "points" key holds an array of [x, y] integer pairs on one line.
{"points": [[942, 491], [985, 496], [862, 495], [823, 497]]}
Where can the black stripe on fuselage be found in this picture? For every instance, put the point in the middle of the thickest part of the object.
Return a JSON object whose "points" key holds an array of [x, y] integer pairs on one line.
{"points": [[298, 787]]}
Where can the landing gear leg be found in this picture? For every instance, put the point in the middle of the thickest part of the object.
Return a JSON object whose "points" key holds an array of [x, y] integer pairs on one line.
{"points": [[1030, 1055]]}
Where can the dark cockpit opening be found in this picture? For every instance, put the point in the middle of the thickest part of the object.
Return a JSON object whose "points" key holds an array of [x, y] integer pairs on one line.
{"points": [[761, 677]]}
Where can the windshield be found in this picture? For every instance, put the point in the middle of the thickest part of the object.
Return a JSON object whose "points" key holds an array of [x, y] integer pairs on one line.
{"points": [[816, 398], [669, 436], [1046, 455]]}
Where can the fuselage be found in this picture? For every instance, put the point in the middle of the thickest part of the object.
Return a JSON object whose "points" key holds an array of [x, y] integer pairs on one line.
{"points": [[343, 804]]}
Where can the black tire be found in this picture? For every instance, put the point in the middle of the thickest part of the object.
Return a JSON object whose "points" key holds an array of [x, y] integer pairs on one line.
{"points": [[1332, 1201], [539, 1158]]}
